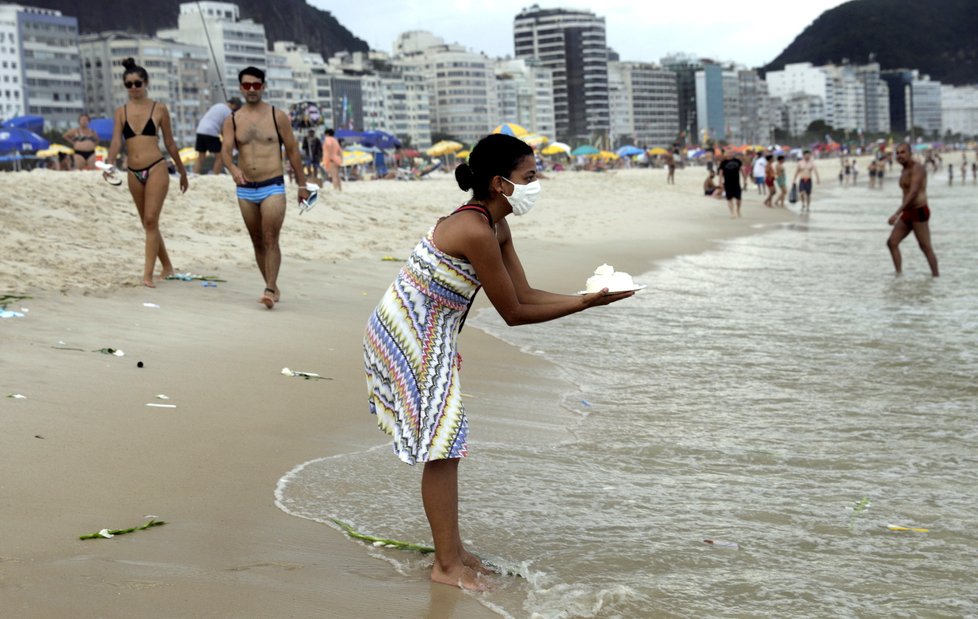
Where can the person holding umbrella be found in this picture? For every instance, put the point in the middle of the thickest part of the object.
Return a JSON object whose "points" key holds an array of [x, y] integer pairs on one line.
{"points": [[141, 121]]}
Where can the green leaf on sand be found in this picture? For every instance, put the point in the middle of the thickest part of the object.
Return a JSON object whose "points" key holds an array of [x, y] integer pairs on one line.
{"points": [[151, 523], [379, 541]]}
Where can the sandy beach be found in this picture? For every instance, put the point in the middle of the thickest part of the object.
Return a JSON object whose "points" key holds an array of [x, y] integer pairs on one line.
{"points": [[83, 450]]}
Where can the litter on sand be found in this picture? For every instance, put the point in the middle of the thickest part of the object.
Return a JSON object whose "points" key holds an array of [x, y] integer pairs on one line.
{"points": [[721, 544], [190, 277], [153, 305], [17, 396], [306, 375], [390, 259], [155, 405], [111, 351], [108, 534], [895, 527]]}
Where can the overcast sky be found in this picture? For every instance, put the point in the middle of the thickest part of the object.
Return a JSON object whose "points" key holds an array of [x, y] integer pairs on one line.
{"points": [[750, 32]]}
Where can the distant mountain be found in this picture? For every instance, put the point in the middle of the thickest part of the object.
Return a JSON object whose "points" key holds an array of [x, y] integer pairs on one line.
{"points": [[938, 37], [284, 20]]}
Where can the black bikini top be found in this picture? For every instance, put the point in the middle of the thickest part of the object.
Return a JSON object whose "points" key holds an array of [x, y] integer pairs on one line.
{"points": [[148, 129]]}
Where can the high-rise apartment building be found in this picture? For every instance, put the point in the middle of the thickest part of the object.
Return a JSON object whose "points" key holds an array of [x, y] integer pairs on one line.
{"points": [[718, 103], [959, 110], [644, 104], [177, 75], [236, 43], [39, 66], [685, 67], [926, 104], [526, 95], [573, 45]]}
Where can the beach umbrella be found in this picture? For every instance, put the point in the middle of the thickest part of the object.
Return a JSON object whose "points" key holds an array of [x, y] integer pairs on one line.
{"points": [[188, 154], [101, 153], [362, 148], [556, 147], [444, 148], [353, 157], [658, 150], [628, 151], [605, 154], [381, 140], [410, 152], [511, 129], [586, 149], [103, 127], [30, 122], [463, 154], [54, 150], [535, 139], [348, 134], [17, 140]]}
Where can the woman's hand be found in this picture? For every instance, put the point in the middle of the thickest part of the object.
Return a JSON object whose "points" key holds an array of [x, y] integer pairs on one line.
{"points": [[184, 183], [604, 297]]}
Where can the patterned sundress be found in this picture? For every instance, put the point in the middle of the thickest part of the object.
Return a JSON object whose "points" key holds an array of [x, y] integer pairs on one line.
{"points": [[411, 357]]}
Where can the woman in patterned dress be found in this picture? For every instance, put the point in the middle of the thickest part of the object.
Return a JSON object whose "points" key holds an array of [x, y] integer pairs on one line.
{"points": [[410, 348]]}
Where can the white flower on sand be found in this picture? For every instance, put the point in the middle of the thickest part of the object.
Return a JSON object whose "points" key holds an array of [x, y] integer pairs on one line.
{"points": [[105, 533]]}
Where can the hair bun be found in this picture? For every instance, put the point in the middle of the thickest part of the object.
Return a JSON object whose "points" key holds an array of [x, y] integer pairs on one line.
{"points": [[129, 64], [464, 176]]}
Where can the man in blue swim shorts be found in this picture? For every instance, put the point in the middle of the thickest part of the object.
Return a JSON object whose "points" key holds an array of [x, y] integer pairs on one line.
{"points": [[259, 132], [805, 170]]}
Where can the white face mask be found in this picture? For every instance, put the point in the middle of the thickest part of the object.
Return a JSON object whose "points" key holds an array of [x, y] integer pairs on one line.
{"points": [[524, 196]]}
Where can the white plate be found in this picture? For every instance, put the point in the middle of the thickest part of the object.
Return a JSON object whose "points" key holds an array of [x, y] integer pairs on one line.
{"points": [[634, 289]]}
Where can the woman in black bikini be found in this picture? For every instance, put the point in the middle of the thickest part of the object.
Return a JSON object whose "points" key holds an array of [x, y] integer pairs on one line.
{"points": [[149, 181], [85, 140]]}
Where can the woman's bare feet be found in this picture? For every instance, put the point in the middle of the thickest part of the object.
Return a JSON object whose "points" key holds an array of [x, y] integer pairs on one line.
{"points": [[267, 298], [167, 273], [149, 283], [459, 576], [475, 564]]}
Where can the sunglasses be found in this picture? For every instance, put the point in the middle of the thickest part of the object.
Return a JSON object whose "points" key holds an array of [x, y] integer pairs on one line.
{"points": [[135, 84], [251, 85]]}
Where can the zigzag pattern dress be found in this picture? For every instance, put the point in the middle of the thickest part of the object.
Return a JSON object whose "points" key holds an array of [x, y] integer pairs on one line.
{"points": [[411, 357]]}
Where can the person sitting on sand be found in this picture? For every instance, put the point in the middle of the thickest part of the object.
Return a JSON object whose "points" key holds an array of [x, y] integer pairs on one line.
{"points": [[410, 345], [141, 121], [710, 187]]}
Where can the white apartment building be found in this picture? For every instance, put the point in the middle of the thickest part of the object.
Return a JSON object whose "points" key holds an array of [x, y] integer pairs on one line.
{"points": [[758, 114], [236, 43], [959, 110], [281, 87], [11, 87], [177, 75], [39, 65], [462, 87], [926, 104], [877, 98], [644, 100], [526, 95], [311, 75], [800, 111]]}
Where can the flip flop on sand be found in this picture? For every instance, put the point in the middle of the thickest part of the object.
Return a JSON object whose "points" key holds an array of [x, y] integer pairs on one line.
{"points": [[108, 173]]}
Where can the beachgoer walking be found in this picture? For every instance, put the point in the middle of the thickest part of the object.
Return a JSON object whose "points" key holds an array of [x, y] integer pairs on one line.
{"points": [[855, 172], [950, 174], [85, 141], [671, 168], [259, 131], [769, 175], [730, 172], [410, 346], [806, 169], [333, 158], [747, 168], [209, 134], [914, 212], [149, 181], [760, 172], [312, 154], [781, 178], [871, 169], [974, 172]]}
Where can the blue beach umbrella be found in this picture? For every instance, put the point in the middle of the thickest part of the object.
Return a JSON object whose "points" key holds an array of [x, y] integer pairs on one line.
{"points": [[628, 151], [380, 139], [17, 140], [587, 149], [102, 127], [30, 122]]}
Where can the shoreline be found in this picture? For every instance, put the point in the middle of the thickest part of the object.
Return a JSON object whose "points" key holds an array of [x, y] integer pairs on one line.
{"points": [[210, 466]]}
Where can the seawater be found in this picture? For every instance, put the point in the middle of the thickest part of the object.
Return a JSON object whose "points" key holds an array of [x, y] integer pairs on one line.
{"points": [[784, 393]]}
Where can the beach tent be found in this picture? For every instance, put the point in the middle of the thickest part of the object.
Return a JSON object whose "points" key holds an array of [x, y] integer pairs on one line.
{"points": [[628, 151], [586, 149], [103, 127], [30, 122], [443, 148], [14, 140], [511, 129], [363, 148]]}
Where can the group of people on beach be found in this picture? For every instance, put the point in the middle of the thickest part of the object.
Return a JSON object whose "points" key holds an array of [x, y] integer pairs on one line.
{"points": [[410, 345]]}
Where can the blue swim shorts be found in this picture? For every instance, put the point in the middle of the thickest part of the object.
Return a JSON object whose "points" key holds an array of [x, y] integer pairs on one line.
{"points": [[257, 192]]}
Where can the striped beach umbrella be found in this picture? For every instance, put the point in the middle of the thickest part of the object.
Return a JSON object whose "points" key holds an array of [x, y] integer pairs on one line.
{"points": [[511, 129]]}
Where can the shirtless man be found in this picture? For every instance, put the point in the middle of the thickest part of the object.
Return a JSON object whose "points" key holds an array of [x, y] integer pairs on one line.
{"points": [[259, 131], [806, 168], [913, 212]]}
